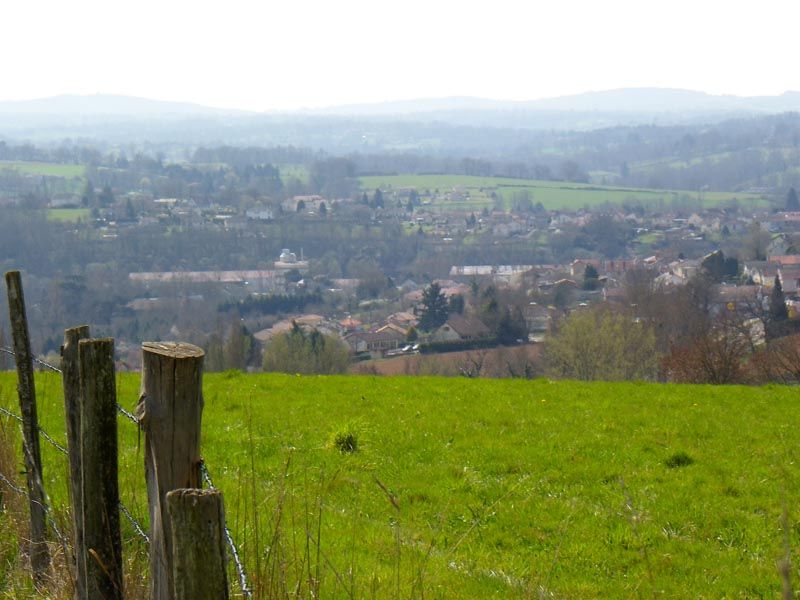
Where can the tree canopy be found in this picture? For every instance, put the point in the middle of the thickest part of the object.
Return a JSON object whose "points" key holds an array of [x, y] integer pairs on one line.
{"points": [[602, 345], [299, 351]]}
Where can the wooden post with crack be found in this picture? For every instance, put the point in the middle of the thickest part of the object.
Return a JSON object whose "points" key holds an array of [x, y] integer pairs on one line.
{"points": [[169, 411]]}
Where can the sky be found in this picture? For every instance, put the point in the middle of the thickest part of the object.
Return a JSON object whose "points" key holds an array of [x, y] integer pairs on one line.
{"points": [[291, 54]]}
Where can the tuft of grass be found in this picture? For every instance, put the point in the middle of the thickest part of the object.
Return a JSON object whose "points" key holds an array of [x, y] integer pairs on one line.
{"points": [[344, 439], [679, 459]]}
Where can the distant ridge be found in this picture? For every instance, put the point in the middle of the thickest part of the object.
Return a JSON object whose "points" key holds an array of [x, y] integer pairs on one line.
{"points": [[633, 100], [74, 105]]}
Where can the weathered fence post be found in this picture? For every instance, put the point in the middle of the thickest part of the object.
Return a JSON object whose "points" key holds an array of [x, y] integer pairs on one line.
{"points": [[197, 521], [70, 374], [102, 552], [169, 411], [40, 556]]}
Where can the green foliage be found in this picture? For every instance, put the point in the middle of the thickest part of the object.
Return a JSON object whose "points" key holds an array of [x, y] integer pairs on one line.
{"points": [[270, 304], [777, 302], [591, 280], [719, 267], [792, 202], [511, 327], [434, 308], [602, 345], [306, 352], [455, 304]]}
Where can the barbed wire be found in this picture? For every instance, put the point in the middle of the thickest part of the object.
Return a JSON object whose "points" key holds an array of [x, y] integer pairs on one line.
{"points": [[61, 539], [38, 361], [45, 435], [55, 369], [127, 414], [246, 591], [136, 526], [229, 538]]}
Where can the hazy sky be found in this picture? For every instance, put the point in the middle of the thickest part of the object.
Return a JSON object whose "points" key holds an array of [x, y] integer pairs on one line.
{"points": [[311, 53]]}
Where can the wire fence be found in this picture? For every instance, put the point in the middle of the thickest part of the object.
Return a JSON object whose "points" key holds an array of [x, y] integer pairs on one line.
{"points": [[234, 552], [137, 527]]}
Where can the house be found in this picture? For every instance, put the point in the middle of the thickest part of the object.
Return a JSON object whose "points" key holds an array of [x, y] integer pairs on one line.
{"points": [[375, 342], [784, 260], [305, 204], [459, 328], [259, 214]]}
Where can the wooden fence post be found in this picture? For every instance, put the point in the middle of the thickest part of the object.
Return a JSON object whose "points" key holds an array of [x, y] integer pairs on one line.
{"points": [[170, 409], [70, 374], [102, 555], [197, 520], [40, 556]]}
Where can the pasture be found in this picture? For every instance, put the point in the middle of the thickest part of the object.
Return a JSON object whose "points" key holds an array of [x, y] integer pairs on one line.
{"points": [[43, 169], [476, 192], [464, 488]]}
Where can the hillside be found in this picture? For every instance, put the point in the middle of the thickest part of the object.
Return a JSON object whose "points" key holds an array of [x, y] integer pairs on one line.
{"points": [[503, 489]]}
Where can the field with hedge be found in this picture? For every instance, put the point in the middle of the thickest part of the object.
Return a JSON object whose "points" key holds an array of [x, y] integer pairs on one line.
{"points": [[404, 487]]}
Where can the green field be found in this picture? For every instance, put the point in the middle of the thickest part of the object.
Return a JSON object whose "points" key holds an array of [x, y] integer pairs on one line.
{"points": [[44, 169], [289, 172], [68, 215], [553, 195], [493, 489]]}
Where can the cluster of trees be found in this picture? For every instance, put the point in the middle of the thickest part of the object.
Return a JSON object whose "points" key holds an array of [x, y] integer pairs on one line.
{"points": [[504, 319], [270, 304], [300, 351], [684, 334]]}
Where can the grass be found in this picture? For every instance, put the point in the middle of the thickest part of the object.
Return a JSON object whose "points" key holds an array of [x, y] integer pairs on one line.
{"points": [[68, 215], [45, 169], [553, 195], [484, 488]]}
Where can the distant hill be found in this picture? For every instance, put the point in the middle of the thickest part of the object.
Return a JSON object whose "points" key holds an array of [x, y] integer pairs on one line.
{"points": [[626, 100], [109, 105]]}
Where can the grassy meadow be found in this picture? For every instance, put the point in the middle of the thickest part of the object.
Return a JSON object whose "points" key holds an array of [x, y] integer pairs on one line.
{"points": [[464, 488], [68, 215], [44, 169], [553, 195]]}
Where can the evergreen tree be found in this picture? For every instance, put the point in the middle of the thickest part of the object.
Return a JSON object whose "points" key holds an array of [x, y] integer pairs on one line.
{"points": [[455, 304], [511, 327], [792, 202], [591, 279], [434, 308], [777, 302], [377, 199], [106, 196]]}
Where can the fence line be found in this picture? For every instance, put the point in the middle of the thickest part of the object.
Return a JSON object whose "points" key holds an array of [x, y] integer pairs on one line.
{"points": [[22, 492], [127, 414], [38, 361], [240, 571], [229, 538], [136, 525], [45, 435]]}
